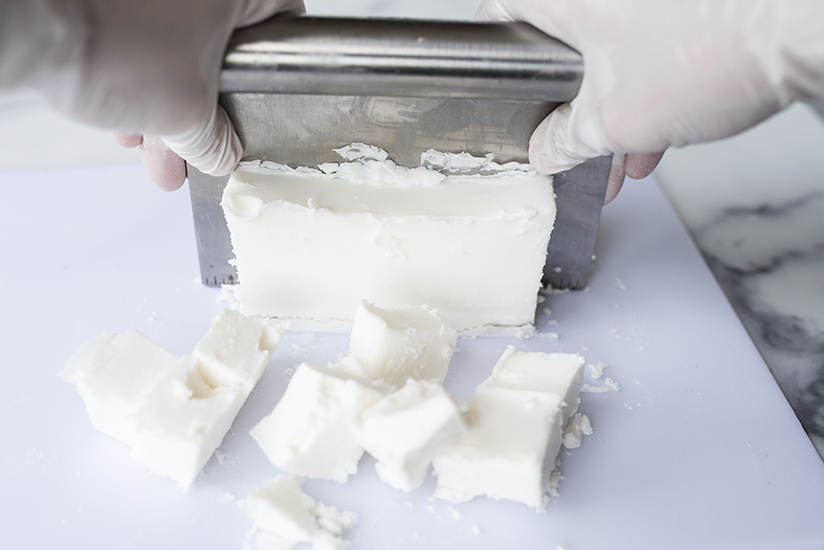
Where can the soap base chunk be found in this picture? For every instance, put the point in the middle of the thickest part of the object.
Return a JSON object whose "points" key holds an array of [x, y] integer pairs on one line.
{"points": [[503, 454], [173, 411], [284, 515], [393, 345], [309, 244], [307, 433], [558, 373], [407, 429]]}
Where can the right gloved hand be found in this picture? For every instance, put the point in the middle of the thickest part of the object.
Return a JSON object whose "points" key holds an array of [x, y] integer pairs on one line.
{"points": [[667, 73], [147, 70]]}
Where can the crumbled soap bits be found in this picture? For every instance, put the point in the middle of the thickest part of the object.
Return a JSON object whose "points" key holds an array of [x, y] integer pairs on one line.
{"points": [[579, 426], [310, 244], [285, 515], [173, 411]]}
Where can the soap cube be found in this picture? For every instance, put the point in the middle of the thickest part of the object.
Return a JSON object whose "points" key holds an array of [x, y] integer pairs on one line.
{"points": [[311, 244], [281, 508], [182, 420], [236, 349], [173, 411], [307, 433], [558, 373], [512, 436], [113, 373], [407, 429], [396, 344]]}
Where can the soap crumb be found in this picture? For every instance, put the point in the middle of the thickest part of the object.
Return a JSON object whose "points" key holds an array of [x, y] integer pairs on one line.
{"points": [[456, 515], [476, 530], [227, 498], [578, 427], [610, 385], [553, 481], [227, 295], [597, 370], [525, 332]]}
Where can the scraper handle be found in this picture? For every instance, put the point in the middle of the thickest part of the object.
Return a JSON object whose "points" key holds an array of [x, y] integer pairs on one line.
{"points": [[401, 57]]}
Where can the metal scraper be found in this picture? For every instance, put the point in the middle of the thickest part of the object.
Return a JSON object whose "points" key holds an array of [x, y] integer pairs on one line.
{"points": [[298, 87]]}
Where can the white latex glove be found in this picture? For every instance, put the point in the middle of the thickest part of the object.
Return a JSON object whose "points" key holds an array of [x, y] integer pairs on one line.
{"points": [[666, 73], [146, 69]]}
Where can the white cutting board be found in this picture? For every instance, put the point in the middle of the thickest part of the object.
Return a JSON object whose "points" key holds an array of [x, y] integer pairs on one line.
{"points": [[698, 449]]}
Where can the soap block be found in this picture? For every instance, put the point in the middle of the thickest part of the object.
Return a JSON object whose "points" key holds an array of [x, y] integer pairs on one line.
{"points": [[512, 435], [558, 373], [282, 509], [172, 410], [310, 244], [407, 429], [307, 433], [393, 345], [182, 421], [113, 373], [236, 349]]}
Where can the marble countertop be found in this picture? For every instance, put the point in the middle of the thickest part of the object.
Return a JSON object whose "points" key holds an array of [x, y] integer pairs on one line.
{"points": [[754, 205]]}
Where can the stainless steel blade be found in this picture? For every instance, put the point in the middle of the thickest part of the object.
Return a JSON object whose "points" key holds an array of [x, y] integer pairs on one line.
{"points": [[297, 88], [579, 196]]}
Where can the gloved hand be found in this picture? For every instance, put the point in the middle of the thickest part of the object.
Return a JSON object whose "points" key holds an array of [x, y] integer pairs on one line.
{"points": [[148, 70], [667, 73]]}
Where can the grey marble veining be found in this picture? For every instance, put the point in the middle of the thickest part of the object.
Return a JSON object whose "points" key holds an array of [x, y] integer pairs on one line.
{"points": [[770, 262], [754, 205]]}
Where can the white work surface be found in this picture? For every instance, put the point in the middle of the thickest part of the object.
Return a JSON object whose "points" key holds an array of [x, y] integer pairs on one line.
{"points": [[698, 449]]}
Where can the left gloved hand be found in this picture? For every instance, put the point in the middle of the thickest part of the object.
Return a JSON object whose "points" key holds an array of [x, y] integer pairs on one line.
{"points": [[148, 70]]}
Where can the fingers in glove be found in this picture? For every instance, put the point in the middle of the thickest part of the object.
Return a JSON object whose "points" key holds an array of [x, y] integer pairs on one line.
{"points": [[164, 168], [565, 139], [616, 178], [212, 147], [253, 11], [129, 141], [634, 165], [640, 165]]}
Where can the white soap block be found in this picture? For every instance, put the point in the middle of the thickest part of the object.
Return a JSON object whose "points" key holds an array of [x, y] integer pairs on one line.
{"points": [[558, 373], [182, 420], [406, 429], [281, 508], [512, 434], [311, 244], [113, 373], [396, 344], [173, 411], [307, 433], [236, 349]]}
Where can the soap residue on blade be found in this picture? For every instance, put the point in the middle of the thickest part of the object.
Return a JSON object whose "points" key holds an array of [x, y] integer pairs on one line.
{"points": [[465, 163]]}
